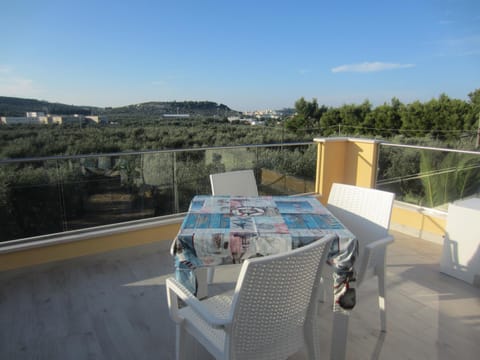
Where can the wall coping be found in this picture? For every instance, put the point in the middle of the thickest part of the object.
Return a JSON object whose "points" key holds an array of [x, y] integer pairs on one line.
{"points": [[88, 233], [348, 139], [421, 209]]}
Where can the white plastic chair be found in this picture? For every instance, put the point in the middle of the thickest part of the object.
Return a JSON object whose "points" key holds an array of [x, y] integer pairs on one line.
{"points": [[240, 182], [366, 213], [271, 314]]}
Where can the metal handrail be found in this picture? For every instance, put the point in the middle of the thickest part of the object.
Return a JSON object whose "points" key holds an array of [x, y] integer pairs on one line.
{"points": [[142, 152], [429, 173], [418, 147]]}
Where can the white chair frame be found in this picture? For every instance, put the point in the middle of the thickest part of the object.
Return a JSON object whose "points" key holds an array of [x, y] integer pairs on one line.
{"points": [[366, 213], [241, 182], [271, 315]]}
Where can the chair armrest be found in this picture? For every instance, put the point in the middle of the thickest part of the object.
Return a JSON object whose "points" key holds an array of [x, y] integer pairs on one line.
{"points": [[374, 256], [175, 291], [172, 247], [383, 242]]}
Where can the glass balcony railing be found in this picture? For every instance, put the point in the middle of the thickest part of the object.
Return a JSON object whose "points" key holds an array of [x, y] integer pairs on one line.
{"points": [[49, 195], [426, 176]]}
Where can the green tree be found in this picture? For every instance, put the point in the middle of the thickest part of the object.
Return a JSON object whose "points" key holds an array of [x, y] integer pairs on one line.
{"points": [[385, 120], [414, 121], [473, 117], [353, 116], [307, 115], [330, 122]]}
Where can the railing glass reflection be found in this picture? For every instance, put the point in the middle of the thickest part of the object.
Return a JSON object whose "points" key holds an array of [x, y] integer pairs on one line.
{"points": [[41, 196], [426, 176]]}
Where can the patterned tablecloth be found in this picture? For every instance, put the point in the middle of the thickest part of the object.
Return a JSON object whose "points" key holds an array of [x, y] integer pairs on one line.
{"points": [[229, 229]]}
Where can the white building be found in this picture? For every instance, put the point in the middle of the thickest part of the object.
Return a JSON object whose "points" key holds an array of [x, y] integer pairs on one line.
{"points": [[39, 118], [35, 114], [14, 120], [176, 116]]}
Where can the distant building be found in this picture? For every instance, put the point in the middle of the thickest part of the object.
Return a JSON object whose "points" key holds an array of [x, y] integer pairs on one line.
{"points": [[176, 116], [39, 118], [83, 119], [72, 119], [95, 119], [35, 114], [17, 120], [251, 121], [257, 122], [264, 114], [55, 119]]}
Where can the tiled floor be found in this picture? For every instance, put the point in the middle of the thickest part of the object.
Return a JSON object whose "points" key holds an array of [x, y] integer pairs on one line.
{"points": [[113, 306]]}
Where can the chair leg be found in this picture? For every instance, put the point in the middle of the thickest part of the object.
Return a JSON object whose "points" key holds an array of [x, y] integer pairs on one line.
{"points": [[180, 343], [210, 274], [381, 299], [312, 336], [338, 346], [202, 274], [321, 291]]}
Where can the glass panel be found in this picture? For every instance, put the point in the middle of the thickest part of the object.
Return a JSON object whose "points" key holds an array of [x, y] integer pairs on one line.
{"points": [[52, 195], [287, 170], [30, 200], [428, 177]]}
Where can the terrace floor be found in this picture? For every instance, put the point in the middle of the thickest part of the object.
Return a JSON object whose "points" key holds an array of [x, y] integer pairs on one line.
{"points": [[113, 306]]}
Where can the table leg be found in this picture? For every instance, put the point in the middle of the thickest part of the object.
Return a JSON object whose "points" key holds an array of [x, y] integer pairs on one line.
{"points": [[338, 348], [202, 274]]}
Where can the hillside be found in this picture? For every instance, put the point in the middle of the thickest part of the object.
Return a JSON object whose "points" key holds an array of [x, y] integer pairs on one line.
{"points": [[159, 108], [12, 106]]}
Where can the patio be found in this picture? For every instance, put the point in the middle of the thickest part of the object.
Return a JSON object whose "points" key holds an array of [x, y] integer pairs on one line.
{"points": [[113, 306]]}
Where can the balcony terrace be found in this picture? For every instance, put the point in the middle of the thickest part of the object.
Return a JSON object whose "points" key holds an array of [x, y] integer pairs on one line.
{"points": [[99, 293], [113, 306]]}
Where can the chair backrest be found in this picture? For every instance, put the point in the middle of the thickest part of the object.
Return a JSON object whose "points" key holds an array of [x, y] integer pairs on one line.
{"points": [[240, 182], [274, 299], [365, 212]]}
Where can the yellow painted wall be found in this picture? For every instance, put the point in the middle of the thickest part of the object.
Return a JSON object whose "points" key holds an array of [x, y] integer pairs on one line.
{"points": [[361, 163], [95, 245], [330, 166], [419, 221], [345, 160]]}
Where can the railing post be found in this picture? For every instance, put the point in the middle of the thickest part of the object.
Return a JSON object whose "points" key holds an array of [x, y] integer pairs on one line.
{"points": [[61, 197], [175, 184], [477, 144]]}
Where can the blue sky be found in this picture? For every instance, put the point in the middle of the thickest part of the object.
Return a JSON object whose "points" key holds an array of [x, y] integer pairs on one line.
{"points": [[245, 54]]}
